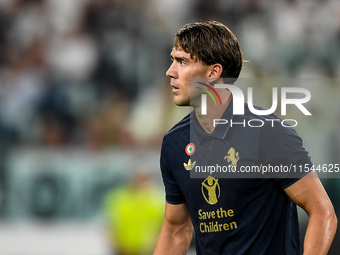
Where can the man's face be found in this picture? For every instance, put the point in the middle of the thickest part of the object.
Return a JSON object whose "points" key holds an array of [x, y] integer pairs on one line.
{"points": [[181, 70]]}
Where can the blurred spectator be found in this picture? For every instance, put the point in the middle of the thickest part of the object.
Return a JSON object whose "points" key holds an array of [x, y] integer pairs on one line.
{"points": [[57, 123], [108, 125], [73, 56], [29, 19], [134, 215], [153, 114], [22, 85]]}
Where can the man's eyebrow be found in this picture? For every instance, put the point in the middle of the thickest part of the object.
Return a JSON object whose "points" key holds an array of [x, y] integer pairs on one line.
{"points": [[179, 59]]}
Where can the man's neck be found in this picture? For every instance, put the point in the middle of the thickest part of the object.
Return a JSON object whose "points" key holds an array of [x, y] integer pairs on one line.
{"points": [[206, 121]]}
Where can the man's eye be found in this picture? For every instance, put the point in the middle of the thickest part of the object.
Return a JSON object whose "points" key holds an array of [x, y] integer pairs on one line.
{"points": [[182, 62]]}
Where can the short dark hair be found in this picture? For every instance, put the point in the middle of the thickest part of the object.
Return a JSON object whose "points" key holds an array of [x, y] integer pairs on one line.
{"points": [[211, 42]]}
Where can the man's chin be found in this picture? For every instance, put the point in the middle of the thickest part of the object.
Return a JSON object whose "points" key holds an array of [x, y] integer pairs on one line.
{"points": [[180, 102]]}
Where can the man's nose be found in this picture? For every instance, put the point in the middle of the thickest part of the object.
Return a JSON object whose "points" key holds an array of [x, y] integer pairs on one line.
{"points": [[171, 72]]}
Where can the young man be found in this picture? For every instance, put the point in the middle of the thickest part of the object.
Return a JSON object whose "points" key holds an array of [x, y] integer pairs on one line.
{"points": [[232, 216]]}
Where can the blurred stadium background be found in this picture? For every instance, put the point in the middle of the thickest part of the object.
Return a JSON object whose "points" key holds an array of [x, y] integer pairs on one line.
{"points": [[84, 101]]}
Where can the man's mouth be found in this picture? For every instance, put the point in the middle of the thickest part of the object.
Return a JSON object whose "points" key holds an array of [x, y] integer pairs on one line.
{"points": [[174, 88]]}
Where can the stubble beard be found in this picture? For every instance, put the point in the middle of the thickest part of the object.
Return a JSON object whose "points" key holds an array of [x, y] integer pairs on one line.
{"points": [[182, 102]]}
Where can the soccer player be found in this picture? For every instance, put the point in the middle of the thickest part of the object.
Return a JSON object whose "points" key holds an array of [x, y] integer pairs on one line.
{"points": [[233, 215]]}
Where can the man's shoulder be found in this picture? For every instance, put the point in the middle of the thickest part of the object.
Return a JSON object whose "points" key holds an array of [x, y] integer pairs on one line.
{"points": [[182, 126], [177, 137]]}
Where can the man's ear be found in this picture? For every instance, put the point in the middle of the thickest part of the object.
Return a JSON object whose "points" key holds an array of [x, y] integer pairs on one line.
{"points": [[215, 72]]}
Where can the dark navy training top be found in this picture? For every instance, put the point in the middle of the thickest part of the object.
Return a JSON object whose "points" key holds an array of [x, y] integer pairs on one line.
{"points": [[244, 215]]}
